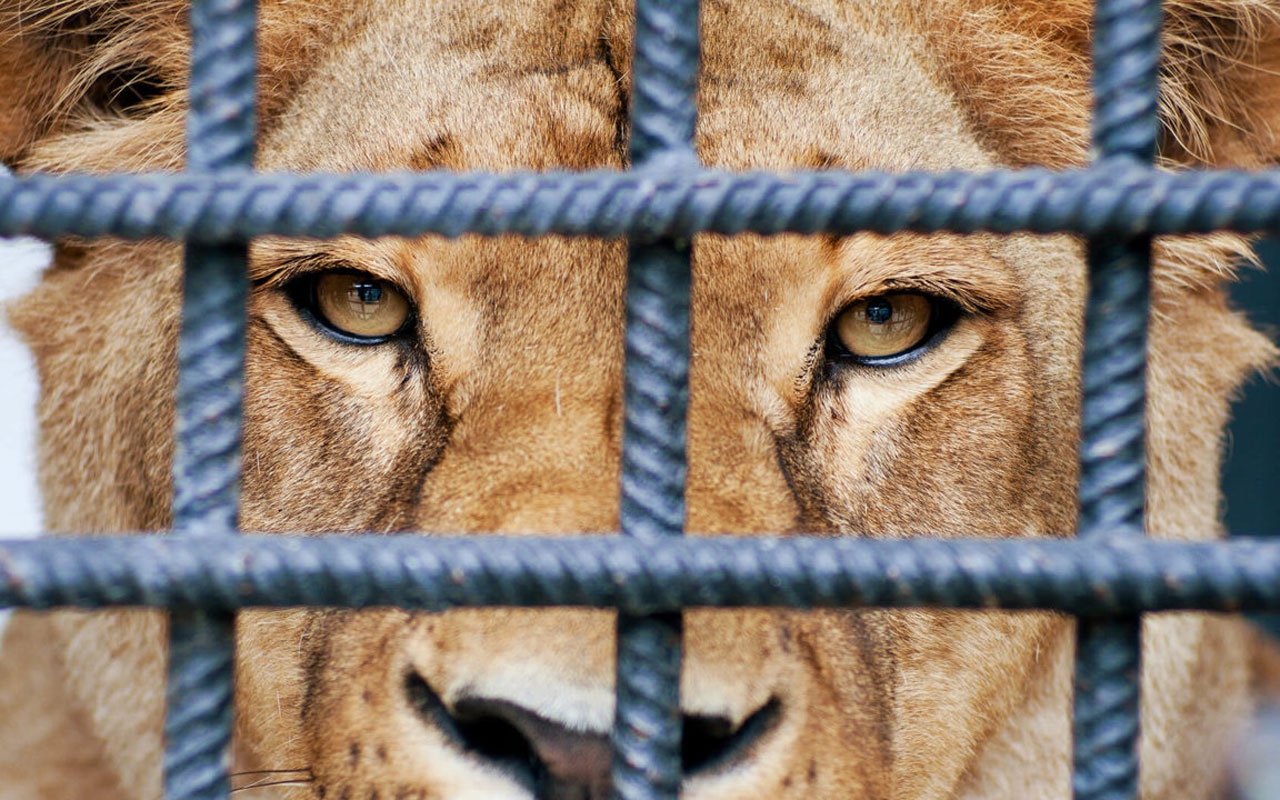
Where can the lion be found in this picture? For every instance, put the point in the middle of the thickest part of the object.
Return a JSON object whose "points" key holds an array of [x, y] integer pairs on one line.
{"points": [[861, 385]]}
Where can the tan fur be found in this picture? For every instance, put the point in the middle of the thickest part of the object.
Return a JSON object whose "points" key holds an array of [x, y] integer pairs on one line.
{"points": [[507, 417]]}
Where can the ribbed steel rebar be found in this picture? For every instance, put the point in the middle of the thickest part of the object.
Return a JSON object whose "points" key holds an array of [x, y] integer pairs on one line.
{"points": [[1114, 200], [647, 723], [664, 107], [647, 727], [1112, 490], [1126, 76], [206, 464], [640, 576]]}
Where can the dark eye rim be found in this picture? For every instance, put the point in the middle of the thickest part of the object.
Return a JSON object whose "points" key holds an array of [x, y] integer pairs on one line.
{"points": [[301, 291], [944, 315]]}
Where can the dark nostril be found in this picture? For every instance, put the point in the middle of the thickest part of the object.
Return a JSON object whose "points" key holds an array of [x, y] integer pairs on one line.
{"points": [[565, 763], [495, 739], [490, 737], [710, 744], [553, 762]]}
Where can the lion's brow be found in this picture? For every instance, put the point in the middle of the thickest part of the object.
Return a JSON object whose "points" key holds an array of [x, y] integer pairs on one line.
{"points": [[275, 262], [967, 270]]}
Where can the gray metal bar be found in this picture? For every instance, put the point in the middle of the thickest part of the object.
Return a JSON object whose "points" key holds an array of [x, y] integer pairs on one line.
{"points": [[640, 576], [1112, 487], [647, 720], [1111, 200], [206, 467]]}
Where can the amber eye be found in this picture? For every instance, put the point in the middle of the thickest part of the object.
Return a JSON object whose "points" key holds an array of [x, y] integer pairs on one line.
{"points": [[885, 325], [359, 305]]}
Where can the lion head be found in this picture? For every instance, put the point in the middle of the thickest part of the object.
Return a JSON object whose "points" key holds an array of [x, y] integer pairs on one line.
{"points": [[847, 386]]}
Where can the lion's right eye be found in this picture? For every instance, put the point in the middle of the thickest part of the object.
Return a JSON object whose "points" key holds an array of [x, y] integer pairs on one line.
{"points": [[889, 329], [884, 325], [357, 305]]}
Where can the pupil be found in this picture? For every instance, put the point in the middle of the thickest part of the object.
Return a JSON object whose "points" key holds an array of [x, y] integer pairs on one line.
{"points": [[879, 311], [368, 292]]}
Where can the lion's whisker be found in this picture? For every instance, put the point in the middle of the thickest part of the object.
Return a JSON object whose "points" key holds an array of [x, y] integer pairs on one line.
{"points": [[265, 784], [264, 778]]}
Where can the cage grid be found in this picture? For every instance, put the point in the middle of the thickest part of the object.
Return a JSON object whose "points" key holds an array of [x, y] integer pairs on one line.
{"points": [[1107, 576]]}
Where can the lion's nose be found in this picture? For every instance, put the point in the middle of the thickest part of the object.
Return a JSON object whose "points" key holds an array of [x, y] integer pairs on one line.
{"points": [[556, 762]]}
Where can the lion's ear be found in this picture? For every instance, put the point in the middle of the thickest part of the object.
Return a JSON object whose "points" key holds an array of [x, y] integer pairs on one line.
{"points": [[1221, 87], [68, 63]]}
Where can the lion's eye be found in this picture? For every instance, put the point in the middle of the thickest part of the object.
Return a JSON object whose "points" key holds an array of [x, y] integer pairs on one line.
{"points": [[359, 305], [886, 325]]}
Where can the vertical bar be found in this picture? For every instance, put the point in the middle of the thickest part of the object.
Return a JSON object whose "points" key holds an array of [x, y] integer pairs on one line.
{"points": [[647, 723], [206, 465], [1113, 451]]}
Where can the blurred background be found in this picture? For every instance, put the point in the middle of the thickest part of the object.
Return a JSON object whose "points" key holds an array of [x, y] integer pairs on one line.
{"points": [[20, 263], [1252, 474]]}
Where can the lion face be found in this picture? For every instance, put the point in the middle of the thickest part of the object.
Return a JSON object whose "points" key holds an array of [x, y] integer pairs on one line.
{"points": [[866, 385]]}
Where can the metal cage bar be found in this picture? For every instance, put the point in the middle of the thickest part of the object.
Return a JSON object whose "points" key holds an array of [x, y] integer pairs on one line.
{"points": [[1126, 123], [1117, 199], [639, 576], [647, 719], [206, 464]]}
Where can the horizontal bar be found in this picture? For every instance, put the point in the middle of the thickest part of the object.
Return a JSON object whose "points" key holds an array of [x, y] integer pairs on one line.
{"points": [[641, 577], [648, 204]]}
